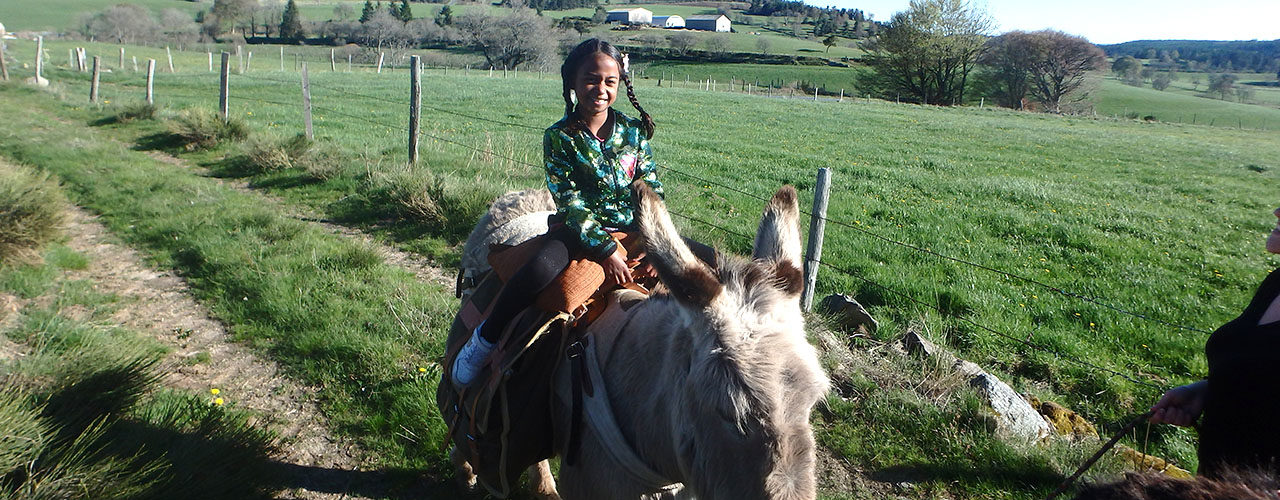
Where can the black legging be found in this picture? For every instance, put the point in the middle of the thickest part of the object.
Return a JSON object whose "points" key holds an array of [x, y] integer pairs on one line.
{"points": [[550, 260], [523, 287]]}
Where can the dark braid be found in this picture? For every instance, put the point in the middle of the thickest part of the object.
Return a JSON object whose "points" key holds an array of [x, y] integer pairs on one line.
{"points": [[646, 121]]}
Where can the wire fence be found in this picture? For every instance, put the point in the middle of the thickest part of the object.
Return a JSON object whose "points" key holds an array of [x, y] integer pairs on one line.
{"points": [[1027, 343]]}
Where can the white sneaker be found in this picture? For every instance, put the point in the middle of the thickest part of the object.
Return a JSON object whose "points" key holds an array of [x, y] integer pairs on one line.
{"points": [[473, 356]]}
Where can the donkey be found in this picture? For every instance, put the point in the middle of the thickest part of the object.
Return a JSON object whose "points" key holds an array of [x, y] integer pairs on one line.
{"points": [[711, 381]]}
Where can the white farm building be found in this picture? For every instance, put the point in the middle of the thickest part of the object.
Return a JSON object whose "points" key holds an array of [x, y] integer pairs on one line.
{"points": [[708, 23], [631, 16], [668, 21]]}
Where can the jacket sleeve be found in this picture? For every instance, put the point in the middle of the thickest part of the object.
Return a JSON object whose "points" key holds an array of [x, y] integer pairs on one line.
{"points": [[560, 157], [648, 170]]}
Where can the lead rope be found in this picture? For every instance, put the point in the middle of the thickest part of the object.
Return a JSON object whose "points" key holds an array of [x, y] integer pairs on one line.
{"points": [[1089, 463]]}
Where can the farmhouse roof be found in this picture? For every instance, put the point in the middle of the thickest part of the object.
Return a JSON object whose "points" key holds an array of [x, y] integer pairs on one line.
{"points": [[704, 17]]}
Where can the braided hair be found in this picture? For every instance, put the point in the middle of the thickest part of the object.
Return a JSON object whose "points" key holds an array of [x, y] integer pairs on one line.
{"points": [[569, 75]]}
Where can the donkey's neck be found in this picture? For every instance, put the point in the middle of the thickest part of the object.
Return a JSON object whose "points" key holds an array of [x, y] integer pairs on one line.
{"points": [[646, 373]]}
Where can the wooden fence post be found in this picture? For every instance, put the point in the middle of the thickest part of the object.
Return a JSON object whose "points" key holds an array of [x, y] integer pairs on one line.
{"points": [[81, 54], [121, 65], [281, 58], [306, 102], [4, 67], [815, 94], [841, 95], [239, 59], [169, 54], [380, 56], [249, 61], [93, 84], [71, 58], [333, 64], [348, 63], [224, 107], [415, 107], [210, 53], [39, 58], [135, 63], [151, 80], [817, 224]]}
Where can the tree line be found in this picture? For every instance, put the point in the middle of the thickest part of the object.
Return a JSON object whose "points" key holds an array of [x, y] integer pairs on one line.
{"points": [[1252, 56], [939, 52]]}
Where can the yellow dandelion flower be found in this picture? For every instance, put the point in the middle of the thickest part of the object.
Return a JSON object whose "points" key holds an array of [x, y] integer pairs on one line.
{"points": [[217, 401], [422, 370], [214, 391]]}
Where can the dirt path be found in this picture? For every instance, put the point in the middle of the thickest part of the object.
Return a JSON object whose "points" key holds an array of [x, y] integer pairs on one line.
{"points": [[204, 357]]}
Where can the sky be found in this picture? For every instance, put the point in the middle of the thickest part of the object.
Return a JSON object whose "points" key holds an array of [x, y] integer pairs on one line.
{"points": [[1115, 21]]}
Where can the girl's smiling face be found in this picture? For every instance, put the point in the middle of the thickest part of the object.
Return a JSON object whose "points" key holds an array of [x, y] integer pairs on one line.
{"points": [[597, 84]]}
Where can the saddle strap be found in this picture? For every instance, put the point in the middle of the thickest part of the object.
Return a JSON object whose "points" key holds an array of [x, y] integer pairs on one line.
{"points": [[600, 417]]}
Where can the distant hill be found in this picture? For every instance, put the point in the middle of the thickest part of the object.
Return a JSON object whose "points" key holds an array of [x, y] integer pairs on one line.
{"points": [[1251, 55]]}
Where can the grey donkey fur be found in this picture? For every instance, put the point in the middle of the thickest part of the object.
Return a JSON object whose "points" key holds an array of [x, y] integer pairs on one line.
{"points": [[713, 381]]}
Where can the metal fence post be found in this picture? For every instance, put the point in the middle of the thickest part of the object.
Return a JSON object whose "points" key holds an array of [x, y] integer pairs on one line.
{"points": [[223, 87]]}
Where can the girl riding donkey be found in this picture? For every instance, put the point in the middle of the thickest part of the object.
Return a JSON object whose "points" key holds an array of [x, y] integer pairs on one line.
{"points": [[592, 156]]}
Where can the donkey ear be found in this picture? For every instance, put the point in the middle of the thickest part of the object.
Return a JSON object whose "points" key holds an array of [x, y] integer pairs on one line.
{"points": [[778, 239], [689, 279]]}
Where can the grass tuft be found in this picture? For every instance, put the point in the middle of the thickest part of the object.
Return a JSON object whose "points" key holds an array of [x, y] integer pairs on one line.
{"points": [[199, 128], [31, 212]]}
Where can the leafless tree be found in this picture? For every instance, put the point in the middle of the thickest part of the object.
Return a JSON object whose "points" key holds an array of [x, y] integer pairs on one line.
{"points": [[382, 31], [681, 42], [232, 14], [717, 44], [124, 23], [344, 12], [508, 41], [763, 45], [179, 27]]}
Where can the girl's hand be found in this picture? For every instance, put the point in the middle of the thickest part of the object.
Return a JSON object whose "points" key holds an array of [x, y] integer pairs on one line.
{"points": [[615, 267], [1181, 406], [642, 267]]}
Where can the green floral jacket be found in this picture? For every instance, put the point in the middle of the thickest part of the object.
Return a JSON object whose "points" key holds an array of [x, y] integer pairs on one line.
{"points": [[590, 179]]}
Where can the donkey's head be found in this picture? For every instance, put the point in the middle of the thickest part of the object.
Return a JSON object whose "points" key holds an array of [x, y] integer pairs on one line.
{"points": [[753, 378]]}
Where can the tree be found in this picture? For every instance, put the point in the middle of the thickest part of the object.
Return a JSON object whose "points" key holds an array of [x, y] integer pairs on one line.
{"points": [[445, 17], [600, 15], [123, 23], [509, 41], [829, 41], [232, 12], [763, 45], [1061, 66], [343, 12], [1223, 84], [406, 13], [717, 44], [1006, 59], [367, 12], [291, 23], [681, 42], [1161, 81], [1047, 65], [925, 53], [1129, 69]]}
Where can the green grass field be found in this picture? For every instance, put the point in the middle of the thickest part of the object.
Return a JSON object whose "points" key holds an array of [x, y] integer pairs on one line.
{"points": [[831, 78], [1161, 219], [59, 15], [1119, 99]]}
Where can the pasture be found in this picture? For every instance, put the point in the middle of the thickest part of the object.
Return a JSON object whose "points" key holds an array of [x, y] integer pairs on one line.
{"points": [[1182, 105], [1158, 219]]}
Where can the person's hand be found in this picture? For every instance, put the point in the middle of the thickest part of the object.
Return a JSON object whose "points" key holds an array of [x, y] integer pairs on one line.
{"points": [[616, 271], [643, 269], [1181, 406]]}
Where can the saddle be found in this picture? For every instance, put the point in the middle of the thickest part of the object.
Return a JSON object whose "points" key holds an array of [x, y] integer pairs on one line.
{"points": [[502, 421]]}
